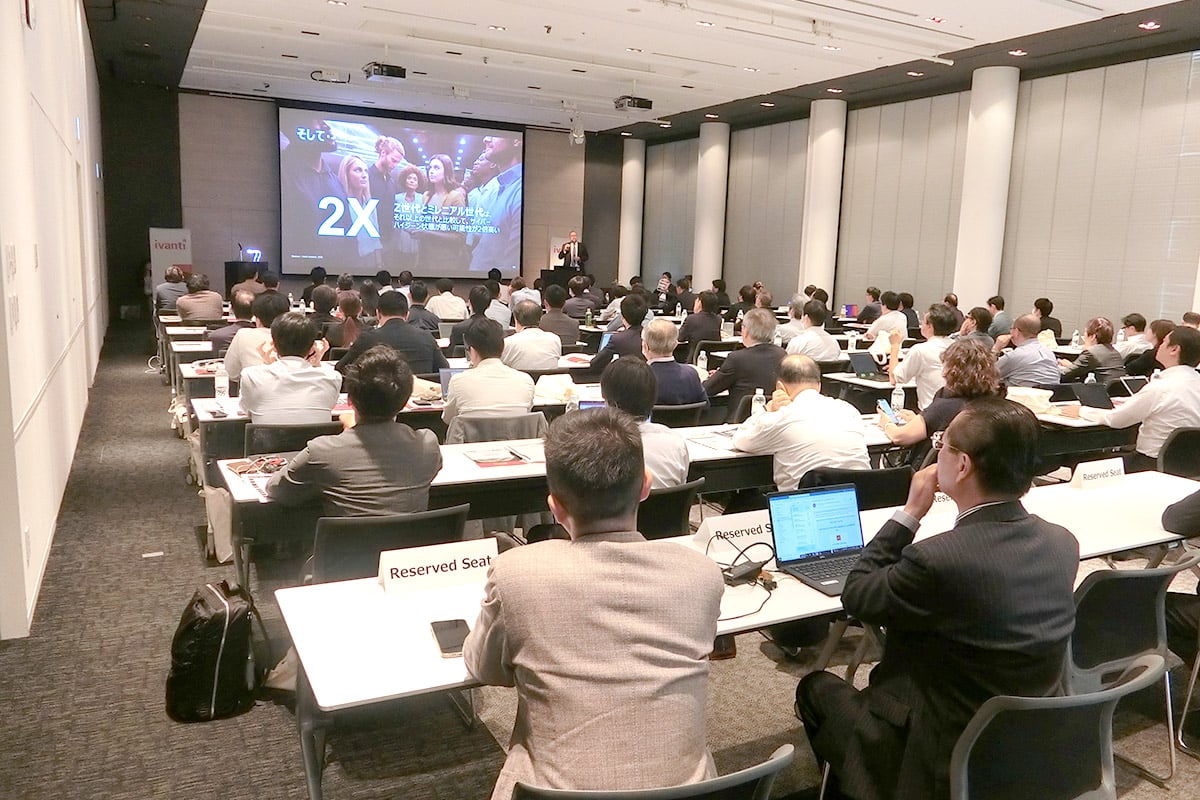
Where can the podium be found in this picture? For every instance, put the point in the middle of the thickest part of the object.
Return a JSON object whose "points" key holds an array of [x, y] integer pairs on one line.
{"points": [[558, 277]]}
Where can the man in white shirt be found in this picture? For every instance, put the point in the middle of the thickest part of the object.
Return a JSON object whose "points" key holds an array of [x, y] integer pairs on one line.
{"points": [[1170, 401], [446, 304], [291, 390], [924, 361], [630, 385], [488, 388], [794, 326], [531, 347], [893, 318], [519, 291], [249, 346], [803, 428], [813, 340], [497, 310], [1136, 341]]}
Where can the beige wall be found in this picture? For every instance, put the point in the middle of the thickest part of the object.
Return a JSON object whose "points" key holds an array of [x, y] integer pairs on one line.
{"points": [[553, 195]]}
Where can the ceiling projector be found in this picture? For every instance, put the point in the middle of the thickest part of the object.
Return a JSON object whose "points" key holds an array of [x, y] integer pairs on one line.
{"points": [[628, 101], [383, 73]]}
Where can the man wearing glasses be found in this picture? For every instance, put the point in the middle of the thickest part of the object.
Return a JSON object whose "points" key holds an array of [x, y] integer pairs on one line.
{"points": [[984, 609]]}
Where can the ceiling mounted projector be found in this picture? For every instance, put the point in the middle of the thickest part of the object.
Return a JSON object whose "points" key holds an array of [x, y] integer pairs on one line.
{"points": [[628, 101], [384, 73]]}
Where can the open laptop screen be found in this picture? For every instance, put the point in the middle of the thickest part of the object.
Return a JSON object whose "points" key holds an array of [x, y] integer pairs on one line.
{"points": [[604, 339], [814, 522], [863, 364], [444, 375]]}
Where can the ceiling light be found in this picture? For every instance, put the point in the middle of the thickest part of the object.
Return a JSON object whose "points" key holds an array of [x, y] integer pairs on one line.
{"points": [[633, 49], [712, 116], [336, 2], [626, 133], [536, 88], [704, 23], [1149, 25], [912, 73], [935, 20], [664, 124], [145, 44], [767, 105], [834, 90], [1018, 52], [831, 47], [497, 28], [453, 53], [750, 69]]}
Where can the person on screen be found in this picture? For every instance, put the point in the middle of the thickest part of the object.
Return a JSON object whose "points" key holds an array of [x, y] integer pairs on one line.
{"points": [[305, 178], [502, 249], [406, 217], [441, 251], [389, 156], [356, 181]]}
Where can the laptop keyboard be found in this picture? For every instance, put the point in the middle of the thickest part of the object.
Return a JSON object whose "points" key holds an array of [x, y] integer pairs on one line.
{"points": [[826, 568]]}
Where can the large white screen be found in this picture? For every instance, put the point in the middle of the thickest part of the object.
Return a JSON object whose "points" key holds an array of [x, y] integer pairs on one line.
{"points": [[359, 194]]}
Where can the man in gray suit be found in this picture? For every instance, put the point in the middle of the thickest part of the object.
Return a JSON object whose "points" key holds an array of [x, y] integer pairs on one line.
{"points": [[606, 636]]}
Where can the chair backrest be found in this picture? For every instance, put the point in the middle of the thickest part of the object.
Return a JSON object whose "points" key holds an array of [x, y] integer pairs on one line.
{"points": [[681, 416], [1119, 617], [713, 346], [444, 329], [346, 548], [285, 438], [1059, 392], [752, 783], [575, 347], [876, 488], [1051, 748], [467, 429], [1180, 454], [841, 365], [741, 412], [664, 513]]}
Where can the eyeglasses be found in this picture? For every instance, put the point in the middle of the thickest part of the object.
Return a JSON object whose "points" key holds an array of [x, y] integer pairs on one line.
{"points": [[938, 440]]}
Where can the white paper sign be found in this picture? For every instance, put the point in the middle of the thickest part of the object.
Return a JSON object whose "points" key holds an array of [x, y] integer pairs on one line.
{"points": [[724, 536], [170, 247], [437, 566], [1098, 473]]}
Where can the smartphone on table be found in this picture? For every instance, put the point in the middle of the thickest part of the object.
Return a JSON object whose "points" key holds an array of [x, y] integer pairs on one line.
{"points": [[450, 635]]}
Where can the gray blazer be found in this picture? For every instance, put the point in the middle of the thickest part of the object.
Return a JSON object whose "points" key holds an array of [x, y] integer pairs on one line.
{"points": [[1102, 359], [606, 639]]}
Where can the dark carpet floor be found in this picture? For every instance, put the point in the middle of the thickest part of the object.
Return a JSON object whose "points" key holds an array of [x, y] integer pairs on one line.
{"points": [[81, 699]]}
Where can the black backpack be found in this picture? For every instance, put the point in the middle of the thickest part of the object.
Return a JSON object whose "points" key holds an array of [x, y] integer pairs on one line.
{"points": [[212, 661]]}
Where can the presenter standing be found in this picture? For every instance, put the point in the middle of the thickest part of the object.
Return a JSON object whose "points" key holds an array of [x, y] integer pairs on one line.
{"points": [[573, 253]]}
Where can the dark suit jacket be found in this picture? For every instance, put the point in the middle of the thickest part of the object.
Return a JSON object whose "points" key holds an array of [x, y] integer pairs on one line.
{"points": [[701, 327], [678, 384], [456, 333], [1053, 325], [626, 343], [1183, 517], [221, 337], [982, 610], [870, 312], [417, 346], [746, 370], [564, 253], [420, 317]]}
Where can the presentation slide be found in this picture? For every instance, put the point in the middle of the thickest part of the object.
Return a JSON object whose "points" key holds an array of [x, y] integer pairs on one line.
{"points": [[359, 193]]}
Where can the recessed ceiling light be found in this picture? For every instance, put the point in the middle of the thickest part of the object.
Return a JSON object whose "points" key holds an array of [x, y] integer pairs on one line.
{"points": [[834, 90], [704, 23], [912, 73], [767, 105], [497, 28], [831, 47], [712, 116], [633, 49], [664, 124], [626, 133], [1149, 25], [750, 69], [336, 2], [1018, 52], [935, 20], [418, 72]]}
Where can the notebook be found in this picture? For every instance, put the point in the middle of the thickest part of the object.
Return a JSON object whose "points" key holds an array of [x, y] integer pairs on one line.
{"points": [[444, 375], [863, 365], [1092, 394], [817, 534]]}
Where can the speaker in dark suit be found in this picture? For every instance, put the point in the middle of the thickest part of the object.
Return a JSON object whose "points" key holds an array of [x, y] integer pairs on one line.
{"points": [[573, 253]]}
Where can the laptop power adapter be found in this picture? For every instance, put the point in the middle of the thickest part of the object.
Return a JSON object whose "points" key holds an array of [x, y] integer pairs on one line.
{"points": [[746, 572]]}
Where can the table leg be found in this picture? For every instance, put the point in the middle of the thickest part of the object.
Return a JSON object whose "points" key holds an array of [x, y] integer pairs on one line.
{"points": [[312, 740]]}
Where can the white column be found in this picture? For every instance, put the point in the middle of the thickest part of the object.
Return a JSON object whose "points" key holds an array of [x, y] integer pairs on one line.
{"points": [[1196, 292], [985, 184], [633, 201], [712, 182], [822, 194]]}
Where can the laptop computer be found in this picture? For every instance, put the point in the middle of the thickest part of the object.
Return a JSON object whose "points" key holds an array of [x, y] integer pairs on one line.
{"points": [[817, 534], [863, 365], [1092, 394], [584, 405], [444, 375], [1128, 386]]}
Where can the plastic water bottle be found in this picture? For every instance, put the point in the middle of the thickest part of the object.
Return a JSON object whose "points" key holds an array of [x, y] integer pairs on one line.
{"points": [[1121, 335], [702, 361], [1075, 340], [221, 382], [853, 334], [758, 403], [777, 339], [572, 401], [291, 300], [683, 315], [588, 319], [897, 399]]}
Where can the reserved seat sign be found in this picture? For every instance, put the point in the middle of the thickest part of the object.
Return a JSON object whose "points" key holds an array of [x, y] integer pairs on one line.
{"points": [[437, 566]]}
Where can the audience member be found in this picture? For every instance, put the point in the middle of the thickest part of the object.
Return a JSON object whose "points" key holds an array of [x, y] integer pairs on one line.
{"points": [[795, 325], [200, 302], [871, 310], [813, 340], [418, 315], [803, 428], [678, 384], [718, 288], [270, 282], [755, 366], [822, 295], [611, 313], [923, 363], [594, 293], [416, 346], [368, 294], [379, 466], [891, 320], [630, 385], [577, 305], [1001, 320], [1042, 309], [746, 298], [316, 277], [384, 279], [1029, 363], [404, 283], [1136, 341], [975, 324], [352, 323], [519, 292], [249, 281], [951, 299], [489, 388], [479, 298], [984, 609], [324, 301], [1099, 357], [626, 342], [586, 691], [249, 345], [764, 299], [171, 289], [1191, 319], [496, 310], [292, 389], [243, 317], [681, 299], [531, 347], [1146, 362], [446, 305], [555, 320], [906, 307], [705, 324], [345, 284]]}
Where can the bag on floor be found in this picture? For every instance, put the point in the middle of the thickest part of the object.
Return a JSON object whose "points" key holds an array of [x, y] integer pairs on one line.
{"points": [[212, 659]]}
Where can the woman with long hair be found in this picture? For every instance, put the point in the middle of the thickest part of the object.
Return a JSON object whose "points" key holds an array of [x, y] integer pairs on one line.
{"points": [[352, 326], [356, 180], [410, 189], [441, 250]]}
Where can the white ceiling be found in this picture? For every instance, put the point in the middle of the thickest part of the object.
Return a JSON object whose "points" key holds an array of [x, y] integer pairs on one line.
{"points": [[581, 54]]}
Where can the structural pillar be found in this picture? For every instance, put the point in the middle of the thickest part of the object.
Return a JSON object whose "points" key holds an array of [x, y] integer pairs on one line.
{"points": [[712, 183], [822, 194], [633, 201], [986, 171]]}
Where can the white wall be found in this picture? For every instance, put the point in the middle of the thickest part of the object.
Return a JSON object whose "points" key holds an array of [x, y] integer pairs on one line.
{"points": [[669, 226], [54, 309]]}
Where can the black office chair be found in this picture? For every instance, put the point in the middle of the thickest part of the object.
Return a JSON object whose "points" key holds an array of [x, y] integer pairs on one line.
{"points": [[678, 416], [1051, 748], [471, 430], [665, 512], [335, 354], [711, 346], [577, 347], [875, 488], [741, 412], [346, 548], [285, 438], [1180, 454]]}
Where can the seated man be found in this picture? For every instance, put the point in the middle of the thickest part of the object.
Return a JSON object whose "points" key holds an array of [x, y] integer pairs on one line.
{"points": [[292, 389], [755, 366], [270, 282], [554, 320], [626, 342], [243, 317], [984, 609], [324, 301], [906, 307], [417, 347], [519, 291], [419, 316], [813, 340], [531, 347], [200, 302], [975, 324], [1030, 362], [497, 310], [892, 319], [316, 277], [923, 363], [803, 428], [488, 388], [642, 617], [249, 281], [578, 304], [480, 299], [170, 290], [379, 466], [1042, 309], [629, 384], [871, 309], [1136, 340], [705, 324], [250, 345], [1001, 320], [1170, 401], [678, 384], [446, 305], [794, 326], [737, 312]]}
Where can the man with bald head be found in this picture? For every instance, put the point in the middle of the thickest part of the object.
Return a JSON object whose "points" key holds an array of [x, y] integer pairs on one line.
{"points": [[1030, 362]]}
